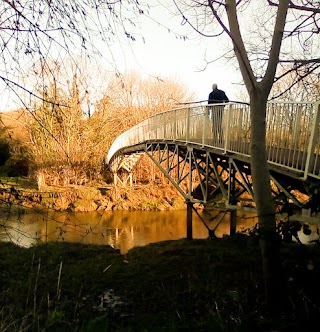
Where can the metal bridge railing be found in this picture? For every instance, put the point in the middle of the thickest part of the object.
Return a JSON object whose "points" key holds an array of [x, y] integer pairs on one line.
{"points": [[293, 132]]}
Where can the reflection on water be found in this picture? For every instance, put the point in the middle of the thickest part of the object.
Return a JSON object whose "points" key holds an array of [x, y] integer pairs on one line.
{"points": [[120, 229]]}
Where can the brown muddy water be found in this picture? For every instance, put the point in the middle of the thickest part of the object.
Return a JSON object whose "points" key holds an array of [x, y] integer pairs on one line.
{"points": [[122, 230]]}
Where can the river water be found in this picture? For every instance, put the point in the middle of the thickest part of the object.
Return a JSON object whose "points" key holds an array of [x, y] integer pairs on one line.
{"points": [[120, 229]]}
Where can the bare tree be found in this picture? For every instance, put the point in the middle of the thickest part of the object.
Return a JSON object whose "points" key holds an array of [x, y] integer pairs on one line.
{"points": [[130, 98], [66, 143], [283, 32], [41, 39], [35, 34], [294, 86]]}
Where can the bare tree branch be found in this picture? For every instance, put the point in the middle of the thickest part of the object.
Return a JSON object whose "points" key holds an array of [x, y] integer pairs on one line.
{"points": [[293, 6]]}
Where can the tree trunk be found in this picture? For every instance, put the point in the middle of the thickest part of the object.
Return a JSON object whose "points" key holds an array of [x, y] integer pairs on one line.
{"points": [[269, 241]]}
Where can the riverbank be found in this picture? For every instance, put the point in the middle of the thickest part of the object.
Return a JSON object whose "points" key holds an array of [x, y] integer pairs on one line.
{"points": [[22, 192], [198, 285]]}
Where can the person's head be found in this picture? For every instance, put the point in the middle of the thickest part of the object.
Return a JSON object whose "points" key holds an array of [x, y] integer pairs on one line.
{"points": [[214, 86]]}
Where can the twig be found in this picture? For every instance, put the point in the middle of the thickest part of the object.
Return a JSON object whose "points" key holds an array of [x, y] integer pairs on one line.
{"points": [[59, 282], [35, 291], [30, 279], [77, 303], [107, 268]]}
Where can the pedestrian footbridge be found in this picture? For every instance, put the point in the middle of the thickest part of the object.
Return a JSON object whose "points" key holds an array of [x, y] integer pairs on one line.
{"points": [[204, 150]]}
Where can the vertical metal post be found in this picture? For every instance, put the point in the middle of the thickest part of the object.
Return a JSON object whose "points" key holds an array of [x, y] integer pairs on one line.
{"points": [[147, 130], [231, 198], [175, 134], [230, 182], [189, 220], [204, 125], [313, 138], [188, 125], [296, 127], [168, 158], [190, 150], [233, 222], [226, 132], [207, 178]]}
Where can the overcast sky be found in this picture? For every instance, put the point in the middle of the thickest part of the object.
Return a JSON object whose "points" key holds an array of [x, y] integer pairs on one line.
{"points": [[160, 52]]}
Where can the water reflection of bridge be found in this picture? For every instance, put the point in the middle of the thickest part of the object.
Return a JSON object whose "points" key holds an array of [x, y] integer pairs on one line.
{"points": [[209, 164]]}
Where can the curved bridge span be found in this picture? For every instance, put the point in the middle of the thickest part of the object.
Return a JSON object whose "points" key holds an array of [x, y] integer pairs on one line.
{"points": [[204, 152]]}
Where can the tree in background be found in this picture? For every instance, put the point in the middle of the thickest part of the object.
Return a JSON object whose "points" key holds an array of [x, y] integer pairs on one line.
{"points": [[42, 39], [36, 34], [36, 38], [56, 126], [263, 34], [295, 86], [15, 155], [62, 138], [68, 141], [4, 144], [129, 99]]}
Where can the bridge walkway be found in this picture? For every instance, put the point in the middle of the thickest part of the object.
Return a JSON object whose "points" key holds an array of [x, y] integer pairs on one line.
{"points": [[204, 151]]}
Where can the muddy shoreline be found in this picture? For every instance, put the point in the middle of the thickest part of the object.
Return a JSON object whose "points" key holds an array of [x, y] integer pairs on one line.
{"points": [[89, 198]]}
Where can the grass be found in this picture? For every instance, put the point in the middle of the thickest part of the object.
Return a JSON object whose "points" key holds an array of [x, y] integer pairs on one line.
{"points": [[18, 183], [198, 285]]}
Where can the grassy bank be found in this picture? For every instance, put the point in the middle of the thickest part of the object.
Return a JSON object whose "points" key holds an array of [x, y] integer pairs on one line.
{"points": [[199, 285]]}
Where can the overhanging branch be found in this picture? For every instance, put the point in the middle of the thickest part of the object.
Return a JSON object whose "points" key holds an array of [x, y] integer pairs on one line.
{"points": [[301, 61], [293, 6]]}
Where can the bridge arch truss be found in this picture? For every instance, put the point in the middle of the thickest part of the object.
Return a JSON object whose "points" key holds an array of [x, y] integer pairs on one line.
{"points": [[208, 166], [205, 176]]}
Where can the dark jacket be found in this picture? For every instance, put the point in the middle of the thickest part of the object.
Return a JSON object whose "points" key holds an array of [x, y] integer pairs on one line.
{"points": [[217, 96]]}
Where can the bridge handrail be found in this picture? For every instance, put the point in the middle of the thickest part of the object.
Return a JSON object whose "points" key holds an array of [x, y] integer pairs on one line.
{"points": [[293, 132], [118, 142]]}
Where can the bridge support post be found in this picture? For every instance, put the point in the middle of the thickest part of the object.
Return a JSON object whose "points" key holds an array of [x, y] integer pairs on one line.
{"points": [[232, 200], [123, 182], [189, 220], [233, 222]]}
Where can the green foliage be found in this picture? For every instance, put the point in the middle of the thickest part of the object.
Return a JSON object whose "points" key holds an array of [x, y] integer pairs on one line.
{"points": [[98, 324], [4, 145], [56, 322], [149, 205], [18, 167], [14, 157]]}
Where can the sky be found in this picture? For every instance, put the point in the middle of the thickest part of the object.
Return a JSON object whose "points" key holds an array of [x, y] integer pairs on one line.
{"points": [[160, 53], [164, 54]]}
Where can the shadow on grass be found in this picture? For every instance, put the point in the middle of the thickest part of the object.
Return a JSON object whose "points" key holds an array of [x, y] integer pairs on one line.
{"points": [[198, 285]]}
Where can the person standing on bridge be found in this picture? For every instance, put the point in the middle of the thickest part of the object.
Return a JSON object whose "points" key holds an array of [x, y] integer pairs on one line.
{"points": [[217, 96]]}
